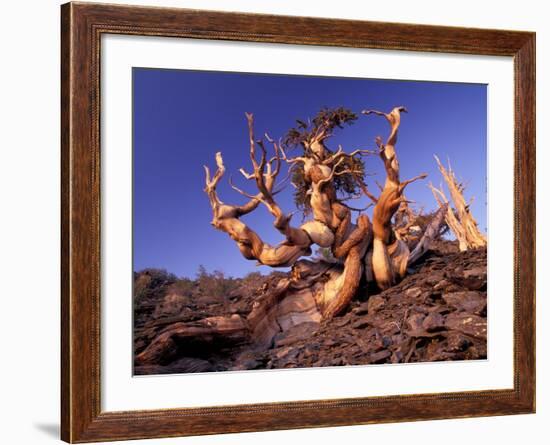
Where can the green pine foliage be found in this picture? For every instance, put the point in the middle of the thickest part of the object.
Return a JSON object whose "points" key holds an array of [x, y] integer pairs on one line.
{"points": [[346, 185]]}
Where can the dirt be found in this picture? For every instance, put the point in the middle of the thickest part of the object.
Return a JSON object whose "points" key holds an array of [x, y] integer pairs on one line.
{"points": [[438, 312]]}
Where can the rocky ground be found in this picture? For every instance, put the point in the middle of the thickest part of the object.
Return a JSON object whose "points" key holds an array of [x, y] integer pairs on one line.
{"points": [[438, 312]]}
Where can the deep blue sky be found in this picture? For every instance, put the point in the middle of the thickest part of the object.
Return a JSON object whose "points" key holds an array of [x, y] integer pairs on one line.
{"points": [[181, 118]]}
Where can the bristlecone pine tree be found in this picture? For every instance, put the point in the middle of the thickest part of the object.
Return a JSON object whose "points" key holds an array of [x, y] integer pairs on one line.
{"points": [[460, 220], [364, 252]]}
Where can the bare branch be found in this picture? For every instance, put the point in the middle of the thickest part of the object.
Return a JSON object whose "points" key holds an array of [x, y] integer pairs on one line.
{"points": [[334, 156], [207, 175], [341, 153], [282, 184], [332, 173], [246, 174], [379, 113], [242, 192], [466, 229], [367, 193], [430, 234], [409, 181], [219, 171], [438, 195], [351, 197], [291, 160], [361, 152], [355, 209]]}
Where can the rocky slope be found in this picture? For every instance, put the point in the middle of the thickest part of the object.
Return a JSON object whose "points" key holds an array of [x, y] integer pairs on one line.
{"points": [[438, 312]]}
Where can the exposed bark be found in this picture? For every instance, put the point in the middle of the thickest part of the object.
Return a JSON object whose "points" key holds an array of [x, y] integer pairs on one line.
{"points": [[463, 224], [353, 249], [292, 302], [226, 218], [450, 218], [430, 234], [313, 290], [390, 254], [404, 219], [165, 346], [331, 225]]}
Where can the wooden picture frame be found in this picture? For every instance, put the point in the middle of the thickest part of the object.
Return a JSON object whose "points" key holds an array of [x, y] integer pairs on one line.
{"points": [[82, 26]]}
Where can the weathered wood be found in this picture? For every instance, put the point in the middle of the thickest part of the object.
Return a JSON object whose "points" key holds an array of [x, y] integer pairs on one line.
{"points": [[165, 346], [430, 234], [450, 218], [227, 219], [353, 249], [295, 300], [389, 254], [463, 225], [331, 225]]}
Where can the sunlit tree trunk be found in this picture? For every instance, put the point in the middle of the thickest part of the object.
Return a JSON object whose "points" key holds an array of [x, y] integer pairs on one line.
{"points": [[313, 290]]}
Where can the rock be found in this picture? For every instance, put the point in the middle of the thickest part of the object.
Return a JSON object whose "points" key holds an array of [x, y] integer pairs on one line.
{"points": [[302, 331], [361, 309], [207, 300], [415, 321], [183, 365], [438, 312], [389, 327], [442, 285], [247, 360], [472, 353], [434, 279], [282, 352], [415, 325], [342, 321], [360, 324], [375, 303], [239, 307], [457, 342], [379, 357], [188, 364], [413, 292], [433, 322], [172, 304], [473, 279], [397, 357], [468, 324], [468, 301]]}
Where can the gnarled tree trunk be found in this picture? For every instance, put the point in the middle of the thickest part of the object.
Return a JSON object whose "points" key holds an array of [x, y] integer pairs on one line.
{"points": [[390, 254], [313, 290]]}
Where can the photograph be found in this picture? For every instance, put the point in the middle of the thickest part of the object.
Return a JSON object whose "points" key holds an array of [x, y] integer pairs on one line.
{"points": [[290, 221]]}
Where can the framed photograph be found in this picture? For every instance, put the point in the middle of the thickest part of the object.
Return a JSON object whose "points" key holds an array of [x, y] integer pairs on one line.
{"points": [[274, 222]]}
